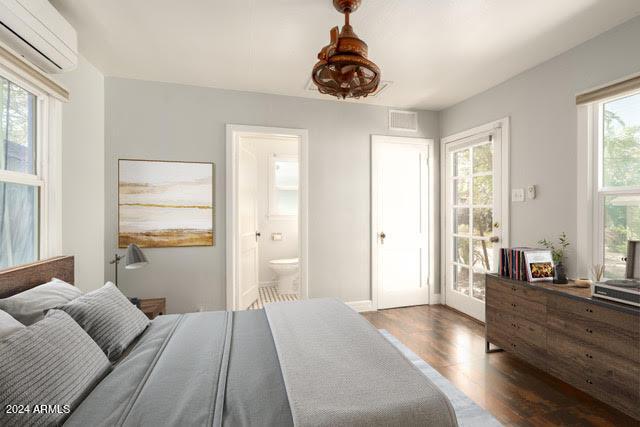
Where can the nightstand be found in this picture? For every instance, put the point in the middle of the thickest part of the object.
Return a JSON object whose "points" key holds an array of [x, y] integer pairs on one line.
{"points": [[153, 307]]}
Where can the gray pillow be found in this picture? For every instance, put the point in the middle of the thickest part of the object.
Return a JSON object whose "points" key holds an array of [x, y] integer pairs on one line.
{"points": [[109, 318], [52, 362], [29, 306], [8, 324]]}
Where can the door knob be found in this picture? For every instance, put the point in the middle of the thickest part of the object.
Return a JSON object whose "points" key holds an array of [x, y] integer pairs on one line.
{"points": [[494, 239], [382, 236], [258, 235]]}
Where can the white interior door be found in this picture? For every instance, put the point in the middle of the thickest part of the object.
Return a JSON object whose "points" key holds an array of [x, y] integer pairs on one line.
{"points": [[473, 218], [248, 222], [400, 221]]}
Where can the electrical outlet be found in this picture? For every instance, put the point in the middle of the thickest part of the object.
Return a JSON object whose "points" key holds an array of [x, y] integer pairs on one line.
{"points": [[531, 192], [517, 195]]}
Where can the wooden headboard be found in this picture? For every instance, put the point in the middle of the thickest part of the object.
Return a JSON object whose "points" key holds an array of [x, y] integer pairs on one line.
{"points": [[23, 277]]}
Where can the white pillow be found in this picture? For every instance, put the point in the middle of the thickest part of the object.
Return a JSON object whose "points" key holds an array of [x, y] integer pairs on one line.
{"points": [[29, 306], [8, 324]]}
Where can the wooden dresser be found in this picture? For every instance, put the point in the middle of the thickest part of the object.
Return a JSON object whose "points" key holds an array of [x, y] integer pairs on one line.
{"points": [[589, 343]]}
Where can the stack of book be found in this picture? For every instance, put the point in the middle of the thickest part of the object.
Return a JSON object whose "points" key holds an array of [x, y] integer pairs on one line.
{"points": [[512, 263], [526, 264]]}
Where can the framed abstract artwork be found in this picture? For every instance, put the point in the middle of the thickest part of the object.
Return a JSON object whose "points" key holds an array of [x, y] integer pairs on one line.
{"points": [[165, 203]]}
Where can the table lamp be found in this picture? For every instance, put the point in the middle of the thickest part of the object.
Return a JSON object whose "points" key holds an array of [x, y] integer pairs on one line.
{"points": [[134, 259]]}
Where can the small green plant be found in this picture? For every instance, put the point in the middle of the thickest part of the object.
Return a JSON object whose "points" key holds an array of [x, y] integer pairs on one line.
{"points": [[556, 252]]}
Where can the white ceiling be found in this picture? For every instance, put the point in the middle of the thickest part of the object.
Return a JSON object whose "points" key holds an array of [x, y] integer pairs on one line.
{"points": [[436, 52]]}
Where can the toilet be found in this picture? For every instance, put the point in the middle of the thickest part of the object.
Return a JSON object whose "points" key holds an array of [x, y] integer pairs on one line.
{"points": [[287, 272]]}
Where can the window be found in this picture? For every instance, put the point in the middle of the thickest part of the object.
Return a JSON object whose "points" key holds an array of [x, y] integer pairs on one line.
{"points": [[617, 193], [21, 167], [283, 188]]}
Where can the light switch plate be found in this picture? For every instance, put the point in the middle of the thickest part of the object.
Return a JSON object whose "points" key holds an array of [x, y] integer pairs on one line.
{"points": [[517, 195], [276, 236]]}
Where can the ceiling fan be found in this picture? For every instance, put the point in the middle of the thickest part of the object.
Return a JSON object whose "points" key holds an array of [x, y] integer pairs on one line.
{"points": [[343, 69]]}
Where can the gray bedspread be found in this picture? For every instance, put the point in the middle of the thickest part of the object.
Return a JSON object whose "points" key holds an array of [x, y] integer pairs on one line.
{"points": [[339, 370], [224, 368], [190, 370]]}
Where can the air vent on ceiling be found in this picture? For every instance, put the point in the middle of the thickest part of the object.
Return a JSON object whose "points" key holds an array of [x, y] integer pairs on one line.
{"points": [[403, 120], [382, 86]]}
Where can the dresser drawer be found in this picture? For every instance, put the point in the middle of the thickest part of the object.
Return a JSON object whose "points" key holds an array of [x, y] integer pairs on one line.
{"points": [[598, 313], [497, 330], [592, 324], [533, 333], [612, 379], [517, 335], [598, 335], [526, 350], [527, 303], [518, 289]]}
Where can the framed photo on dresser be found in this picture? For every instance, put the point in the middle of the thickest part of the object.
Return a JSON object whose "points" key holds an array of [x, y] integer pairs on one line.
{"points": [[539, 265]]}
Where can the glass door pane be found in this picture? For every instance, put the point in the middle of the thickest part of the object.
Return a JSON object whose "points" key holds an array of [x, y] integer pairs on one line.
{"points": [[481, 216], [461, 215], [473, 219], [472, 186]]}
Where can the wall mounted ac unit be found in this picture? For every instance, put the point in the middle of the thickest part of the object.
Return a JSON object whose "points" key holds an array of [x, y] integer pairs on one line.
{"points": [[36, 31]]}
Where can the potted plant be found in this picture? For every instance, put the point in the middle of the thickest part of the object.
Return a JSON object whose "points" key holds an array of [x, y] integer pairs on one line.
{"points": [[557, 253]]}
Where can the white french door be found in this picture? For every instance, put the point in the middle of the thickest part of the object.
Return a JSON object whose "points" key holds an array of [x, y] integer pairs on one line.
{"points": [[473, 193], [400, 221], [248, 221]]}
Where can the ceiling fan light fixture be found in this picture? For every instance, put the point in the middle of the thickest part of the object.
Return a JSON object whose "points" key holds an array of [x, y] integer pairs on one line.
{"points": [[343, 69]]}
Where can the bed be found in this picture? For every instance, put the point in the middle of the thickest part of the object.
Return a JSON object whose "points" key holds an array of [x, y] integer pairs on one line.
{"points": [[314, 362]]}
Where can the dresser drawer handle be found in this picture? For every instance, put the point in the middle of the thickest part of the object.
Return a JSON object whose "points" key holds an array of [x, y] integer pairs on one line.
{"points": [[589, 330], [589, 382], [513, 305], [588, 355], [588, 310]]}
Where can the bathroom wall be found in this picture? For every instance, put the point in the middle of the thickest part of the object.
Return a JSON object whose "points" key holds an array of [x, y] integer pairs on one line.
{"points": [[268, 248]]}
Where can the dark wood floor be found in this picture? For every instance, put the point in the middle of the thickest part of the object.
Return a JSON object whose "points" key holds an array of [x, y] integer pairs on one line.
{"points": [[515, 392]]}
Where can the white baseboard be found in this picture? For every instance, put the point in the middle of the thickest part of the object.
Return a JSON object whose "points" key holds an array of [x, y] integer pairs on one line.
{"points": [[361, 306]]}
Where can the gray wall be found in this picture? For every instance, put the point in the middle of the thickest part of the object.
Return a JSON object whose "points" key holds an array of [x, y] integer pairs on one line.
{"points": [[541, 104], [174, 122], [83, 173]]}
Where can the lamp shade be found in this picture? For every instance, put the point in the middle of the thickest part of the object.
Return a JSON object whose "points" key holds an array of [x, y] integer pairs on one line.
{"points": [[135, 258]]}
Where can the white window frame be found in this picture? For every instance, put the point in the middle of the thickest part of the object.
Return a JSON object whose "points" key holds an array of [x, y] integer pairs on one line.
{"points": [[591, 190], [47, 177], [272, 203]]}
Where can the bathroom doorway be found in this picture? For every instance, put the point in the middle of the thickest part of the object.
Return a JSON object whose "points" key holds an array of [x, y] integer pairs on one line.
{"points": [[266, 216]]}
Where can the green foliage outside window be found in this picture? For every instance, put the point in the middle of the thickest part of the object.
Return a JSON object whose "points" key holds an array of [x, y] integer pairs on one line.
{"points": [[620, 169]]}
